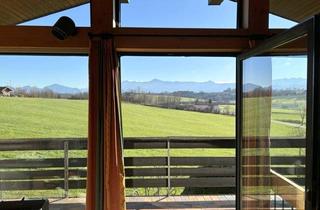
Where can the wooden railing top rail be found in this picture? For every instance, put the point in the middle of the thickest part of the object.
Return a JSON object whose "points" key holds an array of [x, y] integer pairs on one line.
{"points": [[289, 190], [141, 143]]}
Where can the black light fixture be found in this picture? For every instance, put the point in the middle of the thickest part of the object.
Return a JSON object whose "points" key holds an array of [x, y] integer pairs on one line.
{"points": [[64, 28]]}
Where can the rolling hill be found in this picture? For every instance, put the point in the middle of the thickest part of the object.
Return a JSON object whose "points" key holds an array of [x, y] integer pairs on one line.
{"points": [[50, 118]]}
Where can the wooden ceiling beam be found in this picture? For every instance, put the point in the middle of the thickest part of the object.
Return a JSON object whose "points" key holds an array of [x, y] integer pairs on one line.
{"points": [[139, 40], [158, 32], [183, 44], [30, 39]]}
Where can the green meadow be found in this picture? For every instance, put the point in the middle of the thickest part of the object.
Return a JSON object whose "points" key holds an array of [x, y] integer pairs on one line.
{"points": [[59, 118]]}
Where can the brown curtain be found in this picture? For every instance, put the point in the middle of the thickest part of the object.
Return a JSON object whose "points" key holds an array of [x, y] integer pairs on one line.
{"points": [[105, 180]]}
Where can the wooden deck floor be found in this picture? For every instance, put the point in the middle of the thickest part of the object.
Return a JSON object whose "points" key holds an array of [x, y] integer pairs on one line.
{"points": [[221, 202], [182, 202]]}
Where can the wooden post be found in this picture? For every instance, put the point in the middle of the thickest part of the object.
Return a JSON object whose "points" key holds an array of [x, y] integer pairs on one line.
{"points": [[102, 16], [66, 169], [102, 23], [254, 16], [169, 167]]}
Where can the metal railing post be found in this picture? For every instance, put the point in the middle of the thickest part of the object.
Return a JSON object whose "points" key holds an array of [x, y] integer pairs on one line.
{"points": [[1, 188], [66, 169], [169, 166]]}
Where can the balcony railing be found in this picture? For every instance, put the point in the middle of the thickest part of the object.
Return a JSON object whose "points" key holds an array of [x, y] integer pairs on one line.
{"points": [[214, 174]]}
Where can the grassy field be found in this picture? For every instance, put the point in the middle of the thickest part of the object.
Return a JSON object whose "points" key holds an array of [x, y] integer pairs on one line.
{"points": [[45, 118], [278, 114], [52, 118], [28, 118], [286, 115]]}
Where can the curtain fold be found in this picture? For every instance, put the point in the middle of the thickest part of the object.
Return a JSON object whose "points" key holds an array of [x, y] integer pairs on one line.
{"points": [[105, 180]]}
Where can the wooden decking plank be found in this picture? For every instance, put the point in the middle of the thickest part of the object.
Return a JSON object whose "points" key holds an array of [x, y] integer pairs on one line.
{"points": [[220, 202], [177, 205]]}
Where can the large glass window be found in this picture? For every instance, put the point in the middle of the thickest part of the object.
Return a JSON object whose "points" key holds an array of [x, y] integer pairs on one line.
{"points": [[43, 130], [280, 22], [273, 131], [178, 14], [178, 89], [181, 106], [176, 110]]}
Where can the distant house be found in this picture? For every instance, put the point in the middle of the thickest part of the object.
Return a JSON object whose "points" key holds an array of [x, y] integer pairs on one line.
{"points": [[6, 91]]}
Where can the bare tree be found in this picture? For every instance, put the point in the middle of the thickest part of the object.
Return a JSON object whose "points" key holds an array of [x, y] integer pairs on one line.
{"points": [[302, 113]]}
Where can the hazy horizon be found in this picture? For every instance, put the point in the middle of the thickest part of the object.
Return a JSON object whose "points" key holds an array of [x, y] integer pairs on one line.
{"points": [[155, 79]]}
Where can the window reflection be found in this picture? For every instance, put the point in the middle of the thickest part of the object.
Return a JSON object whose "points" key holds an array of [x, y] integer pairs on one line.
{"points": [[273, 138]]}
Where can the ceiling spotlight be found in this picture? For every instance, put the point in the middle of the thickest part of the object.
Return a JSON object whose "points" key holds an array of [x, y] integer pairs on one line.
{"points": [[64, 28]]}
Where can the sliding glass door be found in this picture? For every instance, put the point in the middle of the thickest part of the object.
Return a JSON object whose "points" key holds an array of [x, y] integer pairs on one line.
{"points": [[276, 122]]}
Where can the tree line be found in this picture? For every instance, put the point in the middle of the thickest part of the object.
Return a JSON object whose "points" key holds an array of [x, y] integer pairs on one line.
{"points": [[47, 93], [170, 101]]}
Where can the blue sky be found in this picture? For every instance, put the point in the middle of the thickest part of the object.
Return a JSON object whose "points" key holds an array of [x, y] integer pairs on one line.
{"points": [[73, 71], [200, 69], [41, 71], [178, 14], [258, 70]]}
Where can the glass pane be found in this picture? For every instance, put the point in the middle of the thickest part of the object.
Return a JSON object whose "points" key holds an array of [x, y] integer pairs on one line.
{"points": [[273, 140], [43, 130], [178, 14], [185, 101], [280, 22]]}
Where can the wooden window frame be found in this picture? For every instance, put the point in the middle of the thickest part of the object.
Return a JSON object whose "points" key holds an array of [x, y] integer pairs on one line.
{"points": [[223, 42]]}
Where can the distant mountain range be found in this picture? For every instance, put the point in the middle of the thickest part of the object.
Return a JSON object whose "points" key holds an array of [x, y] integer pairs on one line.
{"points": [[60, 89], [159, 86], [63, 89], [292, 83]]}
